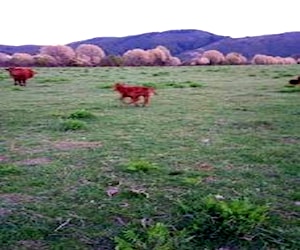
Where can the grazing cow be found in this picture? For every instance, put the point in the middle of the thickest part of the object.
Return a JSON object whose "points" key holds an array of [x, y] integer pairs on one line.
{"points": [[20, 74], [295, 81], [134, 92]]}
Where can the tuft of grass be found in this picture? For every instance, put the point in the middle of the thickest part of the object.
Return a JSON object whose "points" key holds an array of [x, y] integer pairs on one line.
{"points": [[213, 222], [140, 166], [52, 80], [17, 88], [161, 73], [195, 85], [81, 114], [290, 89], [157, 236], [8, 169], [105, 86], [71, 124], [205, 223]]}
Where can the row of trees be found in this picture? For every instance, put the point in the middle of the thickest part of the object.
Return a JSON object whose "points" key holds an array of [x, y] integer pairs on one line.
{"points": [[92, 55]]}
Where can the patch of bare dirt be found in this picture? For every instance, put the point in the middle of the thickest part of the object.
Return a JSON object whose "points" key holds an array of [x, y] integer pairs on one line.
{"points": [[69, 145], [49, 146], [35, 161], [30, 245], [3, 158], [203, 166], [210, 179], [15, 199], [290, 140], [5, 212]]}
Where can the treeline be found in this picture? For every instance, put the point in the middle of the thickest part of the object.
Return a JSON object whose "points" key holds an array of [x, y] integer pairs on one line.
{"points": [[89, 55]]}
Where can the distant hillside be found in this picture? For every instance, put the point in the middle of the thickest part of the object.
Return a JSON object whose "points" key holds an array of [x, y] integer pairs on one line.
{"points": [[30, 49], [177, 41], [284, 45], [185, 43]]}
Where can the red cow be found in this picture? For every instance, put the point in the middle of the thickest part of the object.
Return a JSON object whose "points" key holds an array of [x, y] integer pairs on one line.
{"points": [[20, 74], [134, 92]]}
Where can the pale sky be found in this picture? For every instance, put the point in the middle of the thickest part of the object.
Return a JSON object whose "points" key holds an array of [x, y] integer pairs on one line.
{"points": [[58, 22]]}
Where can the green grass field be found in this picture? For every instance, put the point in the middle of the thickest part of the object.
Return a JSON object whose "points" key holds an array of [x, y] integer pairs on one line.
{"points": [[212, 163]]}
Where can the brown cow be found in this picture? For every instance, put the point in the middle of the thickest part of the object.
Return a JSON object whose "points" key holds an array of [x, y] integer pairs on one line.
{"points": [[20, 74]]}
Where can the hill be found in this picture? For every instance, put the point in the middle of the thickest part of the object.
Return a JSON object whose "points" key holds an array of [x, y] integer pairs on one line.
{"points": [[183, 43], [284, 45], [177, 41]]}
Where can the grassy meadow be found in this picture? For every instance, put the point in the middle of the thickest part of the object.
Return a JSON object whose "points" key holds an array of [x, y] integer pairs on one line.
{"points": [[212, 163]]}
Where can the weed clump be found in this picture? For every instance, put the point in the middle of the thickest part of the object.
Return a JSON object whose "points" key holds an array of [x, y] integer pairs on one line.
{"points": [[207, 223], [81, 114], [140, 166], [221, 222], [71, 124], [7, 169]]}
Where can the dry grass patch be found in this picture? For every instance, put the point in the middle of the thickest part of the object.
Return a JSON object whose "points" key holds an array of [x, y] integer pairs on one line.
{"points": [[35, 161], [203, 166], [15, 199], [69, 145], [3, 158], [5, 212], [31, 245]]}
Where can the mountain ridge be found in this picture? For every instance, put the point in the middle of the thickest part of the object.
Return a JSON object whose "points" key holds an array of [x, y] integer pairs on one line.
{"points": [[185, 41]]}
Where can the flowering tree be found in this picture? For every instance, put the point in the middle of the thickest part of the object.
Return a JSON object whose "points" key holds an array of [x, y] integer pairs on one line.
{"points": [[136, 57], [215, 57], [63, 55], [21, 59], [4, 59], [263, 59], [235, 58], [89, 54], [162, 56], [158, 56], [200, 61], [44, 60]]}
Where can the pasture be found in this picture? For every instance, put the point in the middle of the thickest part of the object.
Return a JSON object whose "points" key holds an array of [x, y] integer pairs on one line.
{"points": [[212, 163]]}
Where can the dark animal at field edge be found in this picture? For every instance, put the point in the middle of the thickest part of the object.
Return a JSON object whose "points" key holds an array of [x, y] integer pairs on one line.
{"points": [[134, 92], [295, 81], [20, 74]]}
